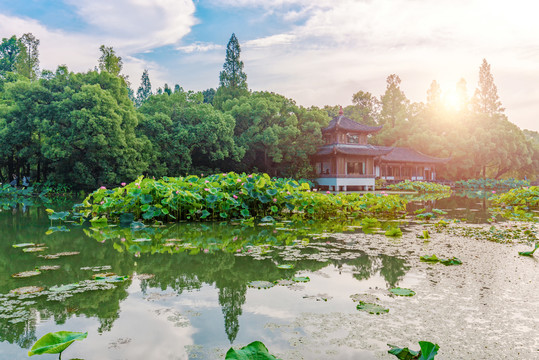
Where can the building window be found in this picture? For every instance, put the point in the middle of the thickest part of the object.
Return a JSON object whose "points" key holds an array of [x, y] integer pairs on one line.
{"points": [[352, 139], [355, 168]]}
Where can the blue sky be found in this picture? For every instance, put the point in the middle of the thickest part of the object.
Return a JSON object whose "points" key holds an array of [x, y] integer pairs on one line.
{"points": [[316, 52]]}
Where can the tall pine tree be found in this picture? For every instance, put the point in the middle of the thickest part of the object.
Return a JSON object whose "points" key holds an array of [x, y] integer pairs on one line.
{"points": [[232, 80], [485, 100], [27, 63], [144, 91]]}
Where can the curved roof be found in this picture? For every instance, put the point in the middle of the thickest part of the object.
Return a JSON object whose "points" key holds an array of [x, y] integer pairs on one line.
{"points": [[401, 154], [343, 123], [353, 149]]}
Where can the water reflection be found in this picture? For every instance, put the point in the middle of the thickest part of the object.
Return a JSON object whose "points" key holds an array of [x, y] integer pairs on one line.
{"points": [[181, 257]]}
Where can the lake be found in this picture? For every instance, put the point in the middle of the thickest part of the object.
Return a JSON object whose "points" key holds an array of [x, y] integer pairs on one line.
{"points": [[192, 290]]}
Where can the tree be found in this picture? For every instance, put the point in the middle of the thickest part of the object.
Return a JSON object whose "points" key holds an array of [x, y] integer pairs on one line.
{"points": [[366, 108], [27, 63], [485, 99], [208, 94], [9, 50], [145, 89], [277, 135], [109, 61], [394, 103], [232, 80], [434, 95]]}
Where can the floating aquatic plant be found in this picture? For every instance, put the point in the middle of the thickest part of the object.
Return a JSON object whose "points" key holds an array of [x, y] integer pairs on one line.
{"points": [[371, 308], [285, 266], [254, 351], [394, 232], [25, 274], [27, 290], [529, 253], [402, 291], [434, 259], [301, 279], [427, 351], [56, 342]]}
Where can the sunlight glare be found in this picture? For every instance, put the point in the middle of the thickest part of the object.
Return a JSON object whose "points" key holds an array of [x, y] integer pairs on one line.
{"points": [[451, 100]]}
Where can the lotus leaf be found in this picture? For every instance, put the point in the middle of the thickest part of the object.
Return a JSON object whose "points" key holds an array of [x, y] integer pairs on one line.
{"points": [[394, 232], [254, 351], [34, 249], [529, 253], [27, 290], [301, 279], [403, 353], [62, 215], [63, 288], [55, 343], [22, 245], [428, 350], [371, 308], [429, 258], [54, 229], [402, 292], [25, 274], [49, 267], [285, 266], [452, 261]]}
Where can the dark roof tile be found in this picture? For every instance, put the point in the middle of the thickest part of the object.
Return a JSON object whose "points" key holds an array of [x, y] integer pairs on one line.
{"points": [[401, 154], [344, 123]]}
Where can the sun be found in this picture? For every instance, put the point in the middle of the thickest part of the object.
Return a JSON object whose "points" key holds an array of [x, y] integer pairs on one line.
{"points": [[451, 100]]}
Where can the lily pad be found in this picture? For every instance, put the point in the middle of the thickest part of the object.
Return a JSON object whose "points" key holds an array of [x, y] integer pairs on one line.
{"points": [[26, 274], [402, 292], [394, 232], [529, 253], [22, 245], [285, 266], [58, 215], [54, 229], [260, 284], [62, 288], [372, 308], [301, 279], [429, 258], [452, 261], [27, 290], [34, 249], [54, 343], [48, 267], [255, 351]]}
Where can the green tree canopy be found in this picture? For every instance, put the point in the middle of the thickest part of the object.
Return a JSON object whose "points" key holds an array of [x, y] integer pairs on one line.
{"points": [[232, 80]]}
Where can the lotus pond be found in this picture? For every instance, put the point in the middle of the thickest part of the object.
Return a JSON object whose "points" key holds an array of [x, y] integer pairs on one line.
{"points": [[308, 290]]}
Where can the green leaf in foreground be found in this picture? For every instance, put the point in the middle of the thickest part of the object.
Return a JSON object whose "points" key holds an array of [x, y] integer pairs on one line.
{"points": [[56, 342], [402, 292], [427, 352], [403, 353], [371, 308], [254, 351], [529, 253]]}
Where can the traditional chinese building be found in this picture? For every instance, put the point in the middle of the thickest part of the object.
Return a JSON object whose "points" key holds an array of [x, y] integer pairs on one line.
{"points": [[347, 162]]}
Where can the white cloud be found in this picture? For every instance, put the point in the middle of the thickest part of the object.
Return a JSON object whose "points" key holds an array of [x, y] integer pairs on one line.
{"points": [[199, 47], [138, 25]]}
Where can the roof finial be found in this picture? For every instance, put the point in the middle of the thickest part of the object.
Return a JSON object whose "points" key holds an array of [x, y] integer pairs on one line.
{"points": [[340, 111]]}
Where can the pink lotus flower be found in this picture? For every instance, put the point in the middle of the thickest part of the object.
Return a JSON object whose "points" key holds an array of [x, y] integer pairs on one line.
{"points": [[177, 191], [206, 189], [206, 251], [328, 192], [190, 184], [274, 200], [234, 238], [102, 188], [206, 181], [137, 184], [234, 196], [102, 242], [137, 254], [239, 180], [102, 202], [239, 250], [122, 239], [242, 184], [201, 174], [123, 184], [494, 191], [386, 195], [288, 192], [315, 190]]}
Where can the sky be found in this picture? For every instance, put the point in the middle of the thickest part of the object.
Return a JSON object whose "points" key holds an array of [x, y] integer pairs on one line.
{"points": [[317, 52]]}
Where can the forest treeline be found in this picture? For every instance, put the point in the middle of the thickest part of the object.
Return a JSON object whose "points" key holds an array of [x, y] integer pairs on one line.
{"points": [[89, 129]]}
